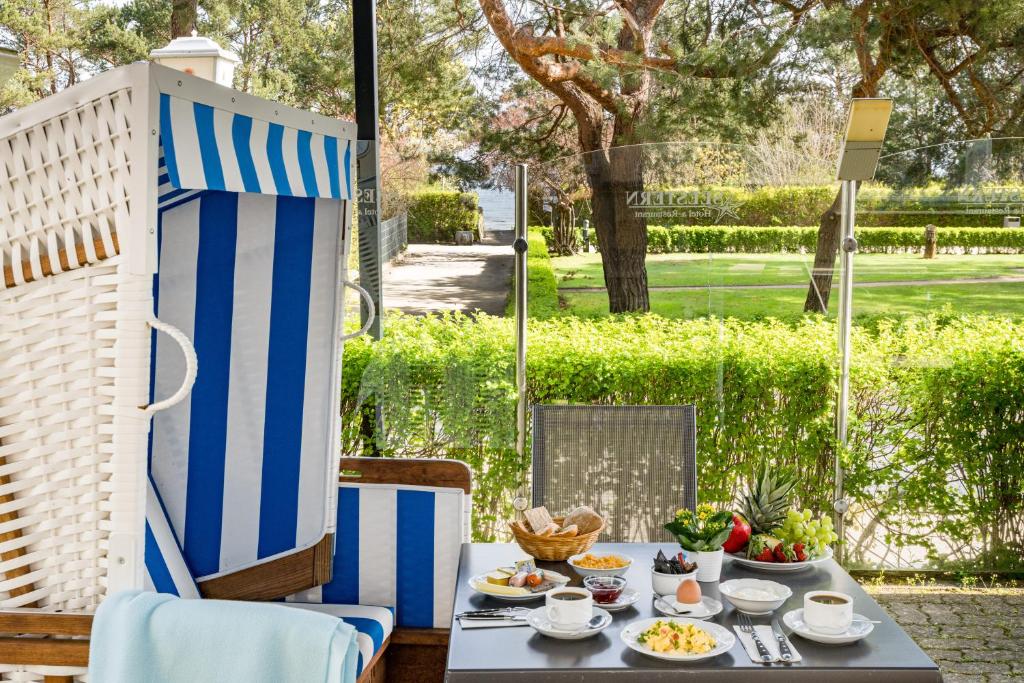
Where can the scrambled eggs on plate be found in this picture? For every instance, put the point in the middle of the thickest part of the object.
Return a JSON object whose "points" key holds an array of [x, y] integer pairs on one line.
{"points": [[673, 637]]}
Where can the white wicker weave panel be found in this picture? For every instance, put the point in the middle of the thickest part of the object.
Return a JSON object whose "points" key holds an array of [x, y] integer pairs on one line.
{"points": [[23, 674], [57, 416], [65, 179]]}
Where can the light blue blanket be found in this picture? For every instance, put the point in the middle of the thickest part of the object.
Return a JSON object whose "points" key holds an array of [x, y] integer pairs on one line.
{"points": [[139, 637]]}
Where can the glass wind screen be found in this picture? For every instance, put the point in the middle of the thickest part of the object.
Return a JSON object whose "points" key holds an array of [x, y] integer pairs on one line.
{"points": [[681, 273], [937, 410], [440, 381]]}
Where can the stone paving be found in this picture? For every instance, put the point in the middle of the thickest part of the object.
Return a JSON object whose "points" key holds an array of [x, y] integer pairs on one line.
{"points": [[973, 634]]}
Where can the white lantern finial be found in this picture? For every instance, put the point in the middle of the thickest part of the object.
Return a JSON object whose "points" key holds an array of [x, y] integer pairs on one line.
{"points": [[199, 56]]}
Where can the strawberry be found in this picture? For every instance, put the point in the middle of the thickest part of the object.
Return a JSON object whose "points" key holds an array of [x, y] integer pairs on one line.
{"points": [[780, 553], [798, 550], [765, 556]]}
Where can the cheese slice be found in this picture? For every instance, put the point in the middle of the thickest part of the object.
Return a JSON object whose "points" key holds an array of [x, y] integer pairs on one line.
{"points": [[498, 578], [493, 589]]}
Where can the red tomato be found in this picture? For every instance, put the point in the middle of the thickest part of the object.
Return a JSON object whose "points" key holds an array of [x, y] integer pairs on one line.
{"points": [[533, 579]]}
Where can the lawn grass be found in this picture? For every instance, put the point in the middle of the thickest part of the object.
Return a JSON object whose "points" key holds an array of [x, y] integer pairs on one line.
{"points": [[723, 270], [584, 270]]}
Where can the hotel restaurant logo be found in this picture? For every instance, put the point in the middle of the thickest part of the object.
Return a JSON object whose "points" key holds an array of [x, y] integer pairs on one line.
{"points": [[713, 205]]}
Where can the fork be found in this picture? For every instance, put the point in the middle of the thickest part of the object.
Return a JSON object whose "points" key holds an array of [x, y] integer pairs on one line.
{"points": [[747, 626]]}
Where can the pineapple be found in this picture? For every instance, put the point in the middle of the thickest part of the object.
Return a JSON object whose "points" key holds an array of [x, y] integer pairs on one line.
{"points": [[767, 499]]}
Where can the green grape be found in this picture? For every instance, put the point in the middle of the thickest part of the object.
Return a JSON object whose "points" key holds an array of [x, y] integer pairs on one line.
{"points": [[807, 515]]}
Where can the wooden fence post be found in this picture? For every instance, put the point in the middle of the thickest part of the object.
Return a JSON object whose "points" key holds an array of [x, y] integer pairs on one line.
{"points": [[930, 240]]}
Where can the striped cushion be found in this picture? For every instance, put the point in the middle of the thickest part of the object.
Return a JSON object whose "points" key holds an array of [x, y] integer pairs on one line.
{"points": [[165, 567], [215, 149], [374, 625], [244, 465], [397, 545]]}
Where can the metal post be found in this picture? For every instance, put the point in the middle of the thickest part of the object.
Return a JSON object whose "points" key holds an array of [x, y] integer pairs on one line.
{"points": [[848, 246], [364, 53], [520, 245]]}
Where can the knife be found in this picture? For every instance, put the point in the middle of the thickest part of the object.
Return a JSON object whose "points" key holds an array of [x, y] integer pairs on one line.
{"points": [[784, 651]]}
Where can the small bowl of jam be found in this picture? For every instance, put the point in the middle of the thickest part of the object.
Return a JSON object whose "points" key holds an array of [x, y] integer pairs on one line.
{"points": [[605, 589]]}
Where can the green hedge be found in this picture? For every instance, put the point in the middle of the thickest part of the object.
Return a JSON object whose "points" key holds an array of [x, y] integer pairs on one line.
{"points": [[541, 286], [761, 240], [936, 449], [435, 215], [803, 206]]}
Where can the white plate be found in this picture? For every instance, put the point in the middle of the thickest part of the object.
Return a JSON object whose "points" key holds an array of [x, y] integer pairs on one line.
{"points": [[584, 571], [859, 629], [755, 607], [538, 619], [626, 598], [707, 608], [724, 639], [559, 579], [742, 560]]}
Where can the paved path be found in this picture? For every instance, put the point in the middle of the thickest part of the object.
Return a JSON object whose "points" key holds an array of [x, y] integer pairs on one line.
{"points": [[974, 635], [1000, 279], [430, 278]]}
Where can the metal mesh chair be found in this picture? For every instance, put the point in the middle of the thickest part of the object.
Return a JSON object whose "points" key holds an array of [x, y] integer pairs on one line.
{"points": [[636, 465]]}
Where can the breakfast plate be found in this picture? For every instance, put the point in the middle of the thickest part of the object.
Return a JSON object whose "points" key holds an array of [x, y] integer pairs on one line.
{"points": [[780, 567], [628, 597], [859, 629], [538, 619], [705, 609], [722, 637], [480, 585]]}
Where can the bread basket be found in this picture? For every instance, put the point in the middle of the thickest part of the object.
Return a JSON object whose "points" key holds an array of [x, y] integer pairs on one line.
{"points": [[555, 549]]}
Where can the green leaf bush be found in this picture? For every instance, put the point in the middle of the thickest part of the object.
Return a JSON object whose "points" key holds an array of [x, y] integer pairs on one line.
{"points": [[768, 240], [541, 287], [936, 451], [436, 215]]}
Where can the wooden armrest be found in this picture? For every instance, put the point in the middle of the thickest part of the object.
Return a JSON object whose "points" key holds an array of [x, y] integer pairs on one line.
{"points": [[407, 471], [45, 623]]}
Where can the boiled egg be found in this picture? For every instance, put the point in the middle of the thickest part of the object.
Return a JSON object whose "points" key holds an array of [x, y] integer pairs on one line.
{"points": [[688, 592]]}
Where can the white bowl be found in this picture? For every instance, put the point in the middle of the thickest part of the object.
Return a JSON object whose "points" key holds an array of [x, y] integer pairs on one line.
{"points": [[666, 584], [752, 606], [585, 571]]}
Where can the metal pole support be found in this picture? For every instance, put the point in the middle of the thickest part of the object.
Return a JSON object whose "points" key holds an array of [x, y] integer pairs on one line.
{"points": [[848, 247], [520, 245]]}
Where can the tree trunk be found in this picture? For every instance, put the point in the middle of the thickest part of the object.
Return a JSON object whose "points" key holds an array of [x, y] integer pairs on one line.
{"points": [[825, 258], [621, 231], [183, 17]]}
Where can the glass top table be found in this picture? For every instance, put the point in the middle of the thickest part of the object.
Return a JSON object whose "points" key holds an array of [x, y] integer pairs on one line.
{"points": [[888, 655]]}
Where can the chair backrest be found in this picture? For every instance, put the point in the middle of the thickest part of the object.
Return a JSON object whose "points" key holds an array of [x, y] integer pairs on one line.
{"points": [[636, 465]]}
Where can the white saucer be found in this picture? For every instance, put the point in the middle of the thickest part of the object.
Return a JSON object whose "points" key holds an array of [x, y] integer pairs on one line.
{"points": [[859, 629], [707, 608], [626, 598], [538, 619]]}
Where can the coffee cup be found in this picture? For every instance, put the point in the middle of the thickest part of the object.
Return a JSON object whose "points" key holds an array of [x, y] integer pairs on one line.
{"points": [[828, 612], [569, 607]]}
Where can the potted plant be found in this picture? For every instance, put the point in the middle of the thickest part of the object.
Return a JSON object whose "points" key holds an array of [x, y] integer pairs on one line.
{"points": [[703, 532]]}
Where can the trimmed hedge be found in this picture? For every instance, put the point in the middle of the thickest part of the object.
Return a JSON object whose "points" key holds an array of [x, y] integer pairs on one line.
{"points": [[436, 215], [803, 205], [541, 285], [766, 240], [936, 451]]}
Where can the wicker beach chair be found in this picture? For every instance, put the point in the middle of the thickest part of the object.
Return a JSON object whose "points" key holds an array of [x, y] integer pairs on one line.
{"points": [[145, 199]]}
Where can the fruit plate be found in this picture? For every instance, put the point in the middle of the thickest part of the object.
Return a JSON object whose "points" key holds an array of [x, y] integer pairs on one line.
{"points": [[743, 561], [481, 580], [724, 639]]}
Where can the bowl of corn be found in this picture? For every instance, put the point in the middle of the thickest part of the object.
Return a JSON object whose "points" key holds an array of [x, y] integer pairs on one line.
{"points": [[600, 564]]}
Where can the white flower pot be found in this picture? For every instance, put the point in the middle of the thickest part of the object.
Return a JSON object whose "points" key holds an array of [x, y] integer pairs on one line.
{"points": [[709, 565]]}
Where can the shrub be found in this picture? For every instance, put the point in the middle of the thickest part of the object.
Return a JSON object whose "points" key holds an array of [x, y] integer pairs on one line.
{"points": [[541, 286], [436, 215], [767, 240], [937, 416]]}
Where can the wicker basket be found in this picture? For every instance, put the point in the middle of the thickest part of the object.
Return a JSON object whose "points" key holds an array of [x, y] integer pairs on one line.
{"points": [[553, 549]]}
